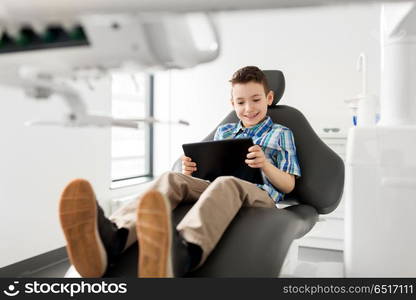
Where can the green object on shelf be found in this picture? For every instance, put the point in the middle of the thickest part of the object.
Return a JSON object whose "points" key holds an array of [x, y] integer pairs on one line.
{"points": [[22, 39], [5, 40], [77, 33], [48, 36], [55, 36]]}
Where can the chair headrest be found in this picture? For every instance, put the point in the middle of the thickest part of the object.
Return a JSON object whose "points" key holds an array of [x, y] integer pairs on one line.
{"points": [[276, 81]]}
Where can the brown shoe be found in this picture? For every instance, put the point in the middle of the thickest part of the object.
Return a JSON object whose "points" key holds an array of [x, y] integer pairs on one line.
{"points": [[163, 252], [78, 215], [154, 235]]}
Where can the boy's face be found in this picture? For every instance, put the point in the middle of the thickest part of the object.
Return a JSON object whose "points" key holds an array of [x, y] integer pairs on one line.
{"points": [[250, 102]]}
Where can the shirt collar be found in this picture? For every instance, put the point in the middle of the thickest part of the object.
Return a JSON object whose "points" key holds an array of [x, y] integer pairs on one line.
{"points": [[256, 130]]}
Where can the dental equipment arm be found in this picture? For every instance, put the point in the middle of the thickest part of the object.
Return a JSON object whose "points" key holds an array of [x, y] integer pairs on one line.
{"points": [[68, 38], [32, 56]]}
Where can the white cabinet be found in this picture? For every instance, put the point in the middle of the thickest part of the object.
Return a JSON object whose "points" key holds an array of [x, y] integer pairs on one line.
{"points": [[328, 232]]}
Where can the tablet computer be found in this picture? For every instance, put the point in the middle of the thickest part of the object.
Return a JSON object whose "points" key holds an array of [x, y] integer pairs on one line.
{"points": [[222, 158]]}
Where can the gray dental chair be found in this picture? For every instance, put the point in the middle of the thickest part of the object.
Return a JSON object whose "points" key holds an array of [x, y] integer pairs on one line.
{"points": [[257, 241]]}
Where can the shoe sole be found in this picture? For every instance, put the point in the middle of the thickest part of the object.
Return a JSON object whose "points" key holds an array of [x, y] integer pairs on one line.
{"points": [[78, 216], [154, 233]]}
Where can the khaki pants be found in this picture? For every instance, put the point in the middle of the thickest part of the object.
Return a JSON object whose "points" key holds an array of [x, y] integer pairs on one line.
{"points": [[216, 204]]}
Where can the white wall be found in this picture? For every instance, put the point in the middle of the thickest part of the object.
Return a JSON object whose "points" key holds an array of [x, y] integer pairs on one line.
{"points": [[316, 48], [37, 162]]}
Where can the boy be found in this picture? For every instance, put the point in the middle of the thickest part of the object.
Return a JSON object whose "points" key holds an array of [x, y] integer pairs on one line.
{"points": [[93, 240]]}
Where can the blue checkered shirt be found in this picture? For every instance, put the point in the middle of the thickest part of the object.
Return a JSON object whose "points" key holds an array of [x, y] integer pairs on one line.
{"points": [[277, 143]]}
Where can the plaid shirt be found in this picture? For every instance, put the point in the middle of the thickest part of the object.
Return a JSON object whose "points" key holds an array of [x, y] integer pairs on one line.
{"points": [[277, 143]]}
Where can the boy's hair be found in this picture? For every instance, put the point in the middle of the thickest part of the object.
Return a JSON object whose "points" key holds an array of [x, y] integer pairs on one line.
{"points": [[250, 73]]}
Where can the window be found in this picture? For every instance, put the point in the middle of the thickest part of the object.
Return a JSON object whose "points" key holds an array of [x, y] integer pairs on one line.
{"points": [[131, 149]]}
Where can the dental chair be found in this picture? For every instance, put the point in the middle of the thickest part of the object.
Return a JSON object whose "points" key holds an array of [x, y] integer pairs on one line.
{"points": [[258, 239]]}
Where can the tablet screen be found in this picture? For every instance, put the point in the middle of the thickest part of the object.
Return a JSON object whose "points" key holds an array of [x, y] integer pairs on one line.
{"points": [[222, 158]]}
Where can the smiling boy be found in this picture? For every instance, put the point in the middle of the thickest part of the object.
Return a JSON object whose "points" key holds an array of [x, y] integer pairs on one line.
{"points": [[165, 251]]}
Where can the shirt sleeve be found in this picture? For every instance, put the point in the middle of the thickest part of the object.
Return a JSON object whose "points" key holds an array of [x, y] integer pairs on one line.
{"points": [[218, 134], [287, 159]]}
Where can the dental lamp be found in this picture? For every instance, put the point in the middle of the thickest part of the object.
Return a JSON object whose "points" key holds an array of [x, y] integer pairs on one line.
{"points": [[39, 56], [44, 87]]}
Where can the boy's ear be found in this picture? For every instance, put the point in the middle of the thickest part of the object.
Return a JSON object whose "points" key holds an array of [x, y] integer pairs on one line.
{"points": [[270, 96], [232, 101]]}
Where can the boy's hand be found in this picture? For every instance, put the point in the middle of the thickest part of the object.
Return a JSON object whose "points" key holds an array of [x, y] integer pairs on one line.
{"points": [[188, 166], [256, 157]]}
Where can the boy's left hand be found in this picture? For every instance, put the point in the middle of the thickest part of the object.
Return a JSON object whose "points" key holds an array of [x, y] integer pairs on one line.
{"points": [[256, 157]]}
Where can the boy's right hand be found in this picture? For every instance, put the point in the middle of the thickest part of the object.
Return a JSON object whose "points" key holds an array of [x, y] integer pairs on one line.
{"points": [[188, 166]]}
